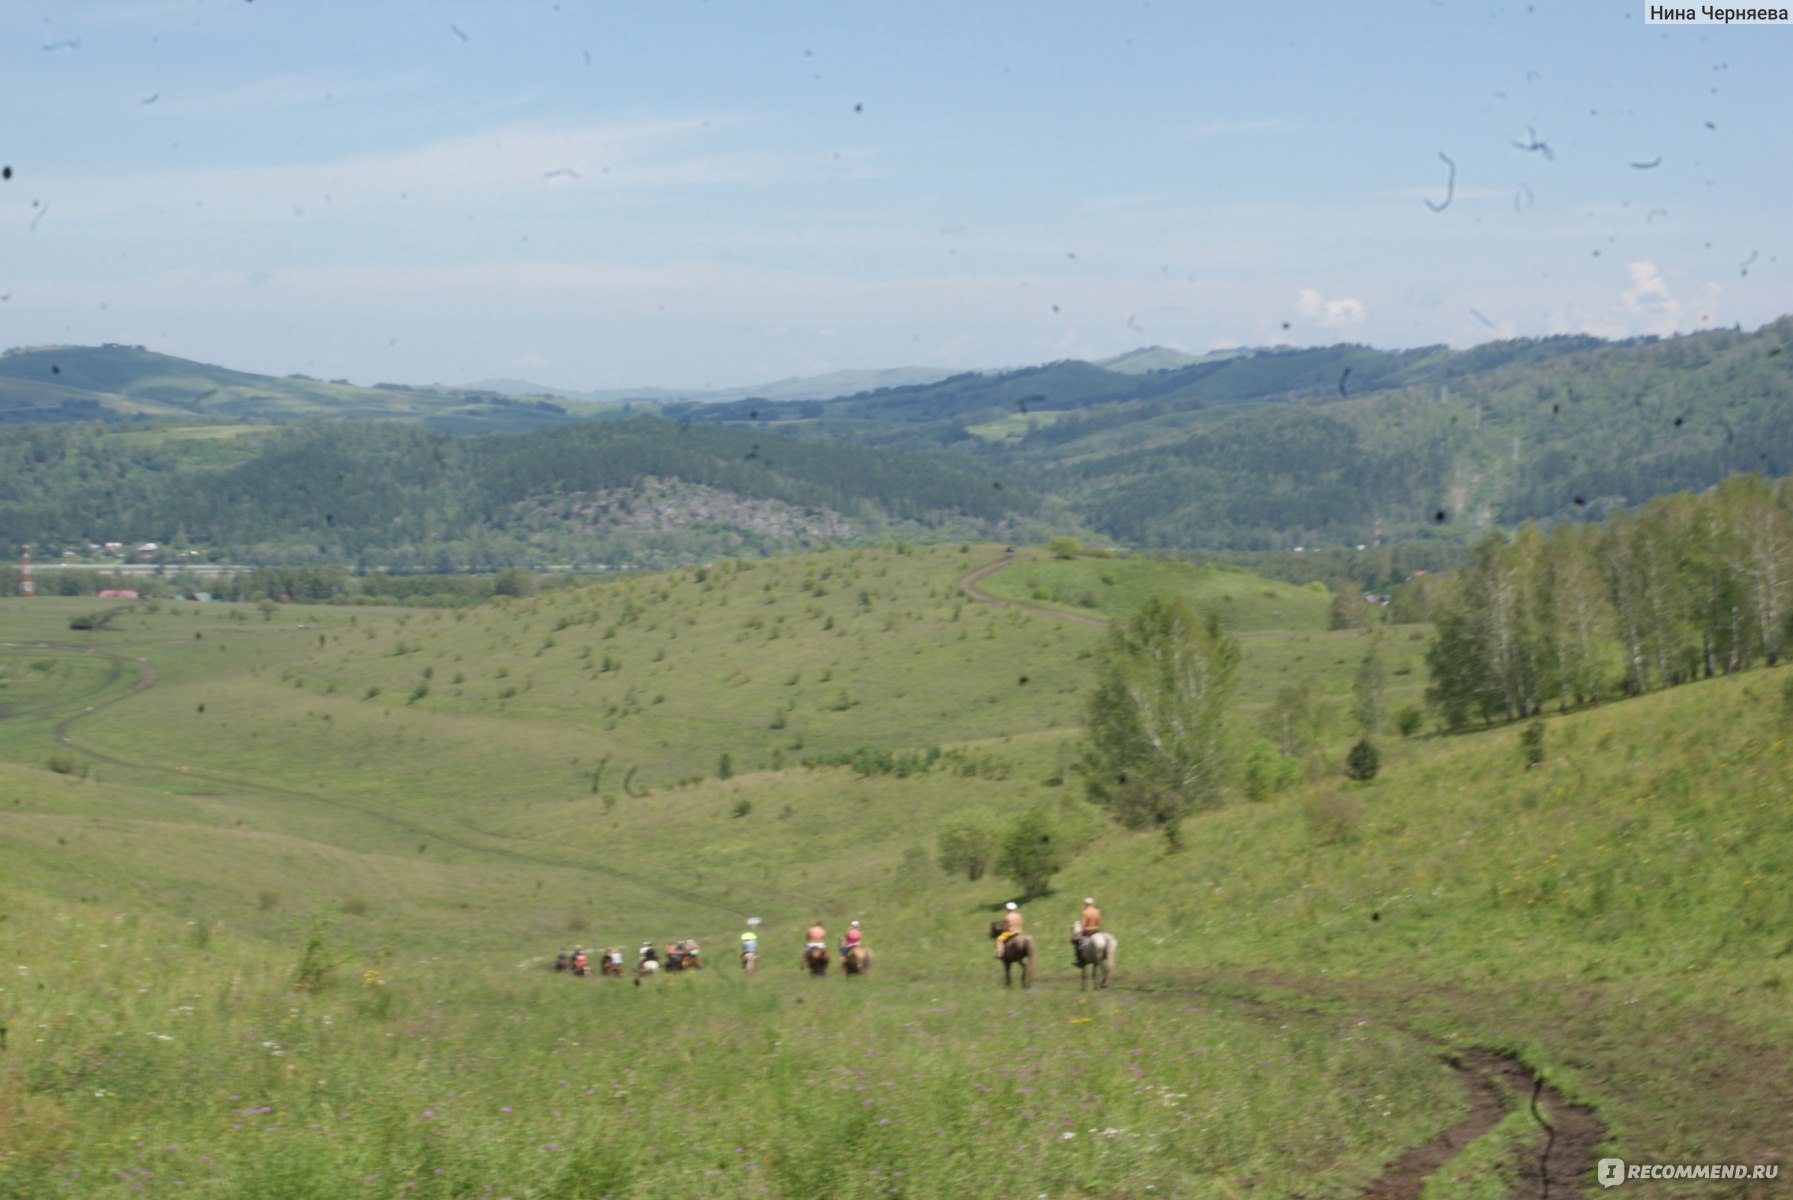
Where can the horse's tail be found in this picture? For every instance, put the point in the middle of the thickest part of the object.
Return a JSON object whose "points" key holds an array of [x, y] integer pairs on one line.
{"points": [[1114, 945]]}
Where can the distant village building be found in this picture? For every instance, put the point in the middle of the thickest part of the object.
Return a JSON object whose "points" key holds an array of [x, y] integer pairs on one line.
{"points": [[148, 550], [118, 594]]}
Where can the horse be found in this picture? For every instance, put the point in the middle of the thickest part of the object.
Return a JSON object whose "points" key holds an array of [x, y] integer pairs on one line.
{"points": [[856, 961], [610, 962], [1018, 949], [647, 966], [815, 960], [1095, 951], [750, 961]]}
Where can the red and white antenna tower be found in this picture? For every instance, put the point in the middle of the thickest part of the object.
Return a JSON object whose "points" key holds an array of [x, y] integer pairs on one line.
{"points": [[26, 586]]}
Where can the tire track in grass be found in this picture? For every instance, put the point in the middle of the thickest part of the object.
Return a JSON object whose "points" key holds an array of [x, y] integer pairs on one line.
{"points": [[39, 707], [1558, 1161], [147, 679], [968, 584]]}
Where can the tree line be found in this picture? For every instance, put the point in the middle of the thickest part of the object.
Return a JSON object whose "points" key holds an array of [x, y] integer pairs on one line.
{"points": [[1686, 587]]}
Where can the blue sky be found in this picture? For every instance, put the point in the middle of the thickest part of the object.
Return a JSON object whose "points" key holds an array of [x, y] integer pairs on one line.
{"points": [[684, 194]]}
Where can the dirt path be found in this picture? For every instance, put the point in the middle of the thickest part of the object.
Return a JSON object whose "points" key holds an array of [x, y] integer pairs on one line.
{"points": [[969, 584], [1560, 1158], [1557, 1160]]}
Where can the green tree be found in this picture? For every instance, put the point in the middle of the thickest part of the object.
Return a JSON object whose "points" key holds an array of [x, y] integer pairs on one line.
{"points": [[1367, 689], [969, 843], [1032, 853], [1295, 718], [513, 582], [1157, 747], [1349, 609]]}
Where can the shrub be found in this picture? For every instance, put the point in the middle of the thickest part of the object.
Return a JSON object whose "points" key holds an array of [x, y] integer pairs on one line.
{"points": [[1531, 744], [1268, 770], [1409, 720], [1363, 761], [968, 843], [1032, 853], [317, 959], [1332, 818]]}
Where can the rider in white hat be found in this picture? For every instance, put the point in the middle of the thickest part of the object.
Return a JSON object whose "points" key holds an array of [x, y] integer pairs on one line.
{"points": [[1089, 922], [1011, 925]]}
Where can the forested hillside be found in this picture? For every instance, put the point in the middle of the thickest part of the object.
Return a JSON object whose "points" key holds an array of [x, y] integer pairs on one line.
{"points": [[1346, 444], [1250, 450], [382, 494]]}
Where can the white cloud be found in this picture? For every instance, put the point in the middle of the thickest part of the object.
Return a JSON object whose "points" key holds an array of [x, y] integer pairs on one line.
{"points": [[1653, 309], [1329, 314]]}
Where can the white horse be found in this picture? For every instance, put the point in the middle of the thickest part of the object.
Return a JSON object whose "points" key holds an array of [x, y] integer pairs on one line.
{"points": [[1097, 951]]}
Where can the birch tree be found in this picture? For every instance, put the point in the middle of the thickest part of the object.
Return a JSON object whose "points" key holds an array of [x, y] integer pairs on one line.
{"points": [[1157, 747]]}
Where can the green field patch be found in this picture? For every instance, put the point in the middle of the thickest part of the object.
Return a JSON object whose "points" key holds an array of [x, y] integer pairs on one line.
{"points": [[1117, 587]]}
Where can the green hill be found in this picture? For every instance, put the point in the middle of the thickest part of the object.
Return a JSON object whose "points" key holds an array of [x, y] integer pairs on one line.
{"points": [[56, 384], [1273, 449], [388, 495], [406, 813], [1251, 450]]}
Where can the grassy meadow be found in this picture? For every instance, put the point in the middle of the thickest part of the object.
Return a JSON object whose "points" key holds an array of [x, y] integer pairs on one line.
{"points": [[279, 887]]}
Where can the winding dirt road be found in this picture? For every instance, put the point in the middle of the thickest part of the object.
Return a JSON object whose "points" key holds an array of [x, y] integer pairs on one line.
{"points": [[968, 583]]}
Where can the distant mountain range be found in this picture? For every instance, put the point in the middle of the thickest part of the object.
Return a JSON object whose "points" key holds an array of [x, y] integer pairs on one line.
{"points": [[814, 387], [1239, 449]]}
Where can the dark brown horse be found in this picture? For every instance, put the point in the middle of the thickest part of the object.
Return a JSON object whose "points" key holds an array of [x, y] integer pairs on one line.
{"points": [[1018, 949], [815, 960], [856, 961]]}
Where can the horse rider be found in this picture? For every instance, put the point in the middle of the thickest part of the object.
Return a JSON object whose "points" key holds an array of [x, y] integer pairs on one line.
{"points": [[1088, 923], [750, 940], [850, 939], [1011, 926], [815, 938], [581, 964], [691, 951], [648, 953]]}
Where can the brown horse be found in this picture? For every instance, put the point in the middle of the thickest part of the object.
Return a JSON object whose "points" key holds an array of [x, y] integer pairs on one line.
{"points": [[1018, 949], [815, 960], [610, 962], [856, 961]]}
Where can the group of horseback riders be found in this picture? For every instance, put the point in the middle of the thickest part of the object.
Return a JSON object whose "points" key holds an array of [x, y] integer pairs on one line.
{"points": [[680, 955], [683, 955], [578, 962], [1089, 923]]}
